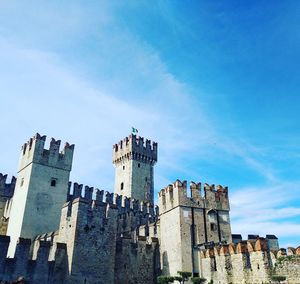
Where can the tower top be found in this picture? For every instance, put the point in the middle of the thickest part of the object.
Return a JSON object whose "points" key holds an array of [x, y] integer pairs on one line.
{"points": [[134, 148], [34, 151]]}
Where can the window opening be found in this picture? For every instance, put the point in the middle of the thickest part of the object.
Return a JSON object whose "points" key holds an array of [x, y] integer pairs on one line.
{"points": [[53, 182]]}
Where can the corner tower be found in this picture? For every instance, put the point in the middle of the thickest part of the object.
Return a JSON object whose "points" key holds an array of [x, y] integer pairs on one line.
{"points": [[41, 189], [134, 161]]}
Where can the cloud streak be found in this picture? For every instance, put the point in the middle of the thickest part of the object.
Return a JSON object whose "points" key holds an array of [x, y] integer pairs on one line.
{"points": [[87, 79]]}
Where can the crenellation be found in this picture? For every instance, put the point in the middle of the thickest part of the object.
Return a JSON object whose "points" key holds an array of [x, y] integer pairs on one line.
{"points": [[109, 197], [6, 188], [34, 151], [99, 195], [133, 147], [88, 193], [176, 195], [195, 190]]}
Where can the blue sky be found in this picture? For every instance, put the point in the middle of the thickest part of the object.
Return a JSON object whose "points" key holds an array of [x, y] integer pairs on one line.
{"points": [[215, 84]]}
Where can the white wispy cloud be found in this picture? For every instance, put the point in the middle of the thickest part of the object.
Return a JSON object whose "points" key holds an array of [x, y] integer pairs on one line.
{"points": [[91, 95], [266, 210]]}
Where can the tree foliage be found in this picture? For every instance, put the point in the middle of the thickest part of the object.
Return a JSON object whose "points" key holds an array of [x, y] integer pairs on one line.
{"points": [[198, 280], [165, 279], [185, 275], [278, 278]]}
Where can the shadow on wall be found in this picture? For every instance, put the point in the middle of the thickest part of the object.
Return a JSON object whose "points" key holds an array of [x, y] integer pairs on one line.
{"points": [[165, 263]]}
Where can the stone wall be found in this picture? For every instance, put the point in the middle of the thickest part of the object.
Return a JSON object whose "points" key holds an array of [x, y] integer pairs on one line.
{"points": [[136, 261], [288, 264], [248, 262]]}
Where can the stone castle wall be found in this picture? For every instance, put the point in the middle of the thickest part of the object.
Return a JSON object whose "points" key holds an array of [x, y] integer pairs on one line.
{"points": [[287, 263], [96, 240], [248, 262]]}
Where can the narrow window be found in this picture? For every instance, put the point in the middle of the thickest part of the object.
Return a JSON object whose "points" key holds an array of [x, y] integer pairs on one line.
{"points": [[53, 182], [22, 181], [164, 199], [123, 167], [122, 185], [139, 165], [213, 227]]}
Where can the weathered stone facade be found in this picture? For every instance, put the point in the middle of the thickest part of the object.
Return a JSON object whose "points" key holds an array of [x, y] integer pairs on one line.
{"points": [[249, 262], [54, 231]]}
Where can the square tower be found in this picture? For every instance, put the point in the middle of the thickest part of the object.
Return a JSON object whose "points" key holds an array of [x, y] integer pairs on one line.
{"points": [[188, 222], [134, 161], [41, 189]]}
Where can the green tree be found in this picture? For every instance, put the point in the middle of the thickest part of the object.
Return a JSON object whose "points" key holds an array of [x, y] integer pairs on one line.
{"points": [[198, 280], [165, 279], [185, 275], [278, 278], [178, 278]]}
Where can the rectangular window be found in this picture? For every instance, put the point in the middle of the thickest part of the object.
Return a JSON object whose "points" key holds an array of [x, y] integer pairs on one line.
{"points": [[53, 182]]}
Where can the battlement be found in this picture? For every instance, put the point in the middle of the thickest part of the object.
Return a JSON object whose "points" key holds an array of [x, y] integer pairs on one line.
{"points": [[34, 151], [32, 262], [105, 198], [259, 245], [133, 147], [176, 195], [250, 261], [7, 189]]}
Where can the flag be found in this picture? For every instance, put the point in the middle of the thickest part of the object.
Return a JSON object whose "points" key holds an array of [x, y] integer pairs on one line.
{"points": [[134, 130]]}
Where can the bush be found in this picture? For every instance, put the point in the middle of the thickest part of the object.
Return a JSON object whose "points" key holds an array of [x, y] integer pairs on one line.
{"points": [[198, 280], [165, 279], [178, 278], [185, 275], [278, 278]]}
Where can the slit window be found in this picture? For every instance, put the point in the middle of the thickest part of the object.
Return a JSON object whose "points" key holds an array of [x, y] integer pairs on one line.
{"points": [[22, 182], [122, 185]]}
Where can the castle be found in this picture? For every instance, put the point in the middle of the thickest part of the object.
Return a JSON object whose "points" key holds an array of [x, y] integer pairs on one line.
{"points": [[55, 231]]}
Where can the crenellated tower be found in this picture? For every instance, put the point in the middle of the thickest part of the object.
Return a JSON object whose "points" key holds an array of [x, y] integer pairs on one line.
{"points": [[134, 160], [188, 222], [41, 189]]}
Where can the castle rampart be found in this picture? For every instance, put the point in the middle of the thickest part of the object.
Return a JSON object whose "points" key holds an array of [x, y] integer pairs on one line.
{"points": [[248, 262]]}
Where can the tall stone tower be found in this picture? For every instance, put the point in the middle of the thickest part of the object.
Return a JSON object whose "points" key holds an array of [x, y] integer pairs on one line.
{"points": [[134, 161], [41, 189]]}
